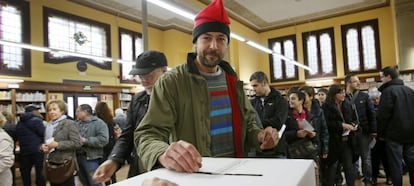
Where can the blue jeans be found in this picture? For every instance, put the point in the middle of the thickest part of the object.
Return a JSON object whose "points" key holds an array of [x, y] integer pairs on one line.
{"points": [[86, 170], [365, 153], [27, 161], [397, 152]]}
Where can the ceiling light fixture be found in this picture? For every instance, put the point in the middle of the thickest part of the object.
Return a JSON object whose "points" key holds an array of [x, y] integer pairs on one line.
{"points": [[23, 45], [253, 44], [173, 9], [127, 62], [238, 37], [68, 53]]}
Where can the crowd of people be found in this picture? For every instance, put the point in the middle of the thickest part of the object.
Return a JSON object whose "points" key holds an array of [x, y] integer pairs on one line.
{"points": [[200, 109]]}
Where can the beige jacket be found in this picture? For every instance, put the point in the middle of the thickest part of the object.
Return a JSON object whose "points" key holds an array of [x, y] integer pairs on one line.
{"points": [[6, 158]]}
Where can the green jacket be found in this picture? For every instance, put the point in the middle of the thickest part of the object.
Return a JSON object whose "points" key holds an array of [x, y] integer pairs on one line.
{"points": [[179, 110], [97, 136]]}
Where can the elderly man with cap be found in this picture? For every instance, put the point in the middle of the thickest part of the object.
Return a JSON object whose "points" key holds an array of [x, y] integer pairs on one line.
{"points": [[30, 132], [199, 108], [150, 65]]}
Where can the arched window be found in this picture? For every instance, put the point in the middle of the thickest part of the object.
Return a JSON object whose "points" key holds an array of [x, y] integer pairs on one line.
{"points": [[130, 47], [319, 53], [361, 47], [15, 27], [281, 70]]}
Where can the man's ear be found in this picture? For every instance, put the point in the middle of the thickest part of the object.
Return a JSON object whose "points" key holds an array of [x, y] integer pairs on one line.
{"points": [[164, 69]]}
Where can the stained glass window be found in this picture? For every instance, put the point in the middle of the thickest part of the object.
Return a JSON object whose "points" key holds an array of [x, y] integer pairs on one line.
{"points": [[76, 34]]}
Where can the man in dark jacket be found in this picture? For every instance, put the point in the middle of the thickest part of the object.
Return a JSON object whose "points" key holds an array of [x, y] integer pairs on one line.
{"points": [[272, 109], [364, 113], [395, 123], [150, 65], [30, 132]]}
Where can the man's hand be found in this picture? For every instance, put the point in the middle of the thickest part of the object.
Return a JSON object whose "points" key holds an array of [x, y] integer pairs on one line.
{"points": [[104, 172], [181, 156], [157, 182], [44, 148], [268, 137]]}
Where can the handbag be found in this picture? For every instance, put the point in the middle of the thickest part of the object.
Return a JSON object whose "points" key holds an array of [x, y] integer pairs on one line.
{"points": [[59, 170], [302, 149]]}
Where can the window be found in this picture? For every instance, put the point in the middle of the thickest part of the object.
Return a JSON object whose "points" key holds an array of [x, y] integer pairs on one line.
{"points": [[361, 47], [15, 26], [281, 70], [319, 53], [130, 46], [76, 34]]}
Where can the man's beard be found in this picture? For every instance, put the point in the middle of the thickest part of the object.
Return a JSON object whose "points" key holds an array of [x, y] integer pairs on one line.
{"points": [[209, 63]]}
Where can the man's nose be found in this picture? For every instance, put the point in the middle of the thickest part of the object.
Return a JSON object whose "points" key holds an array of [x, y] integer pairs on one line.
{"points": [[213, 44]]}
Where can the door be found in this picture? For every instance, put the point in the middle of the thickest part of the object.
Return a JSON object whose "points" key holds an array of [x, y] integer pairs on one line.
{"points": [[74, 100]]}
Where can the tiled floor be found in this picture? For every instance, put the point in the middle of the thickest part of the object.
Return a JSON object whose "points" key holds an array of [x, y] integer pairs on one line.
{"points": [[122, 174]]}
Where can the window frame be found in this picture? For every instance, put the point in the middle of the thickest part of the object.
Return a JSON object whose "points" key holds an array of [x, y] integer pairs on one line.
{"points": [[134, 36], [26, 71], [48, 12], [318, 33], [358, 26], [283, 64]]}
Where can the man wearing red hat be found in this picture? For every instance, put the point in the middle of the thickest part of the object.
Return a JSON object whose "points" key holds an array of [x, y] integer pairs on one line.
{"points": [[200, 108]]}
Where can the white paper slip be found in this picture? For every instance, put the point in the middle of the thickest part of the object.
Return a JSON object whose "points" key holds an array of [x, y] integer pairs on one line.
{"points": [[306, 125], [346, 133], [282, 130], [50, 140], [372, 143]]}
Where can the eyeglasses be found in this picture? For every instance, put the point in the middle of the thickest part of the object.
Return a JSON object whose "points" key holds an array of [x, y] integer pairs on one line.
{"points": [[146, 77]]}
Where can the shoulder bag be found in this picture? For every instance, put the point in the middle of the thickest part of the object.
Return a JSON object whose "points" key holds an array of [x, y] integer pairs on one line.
{"points": [[58, 169], [302, 149]]}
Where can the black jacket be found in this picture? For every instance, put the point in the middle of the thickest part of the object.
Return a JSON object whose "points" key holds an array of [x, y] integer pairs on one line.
{"points": [[396, 112], [317, 119], [274, 113], [30, 132], [124, 148], [334, 121], [366, 112]]}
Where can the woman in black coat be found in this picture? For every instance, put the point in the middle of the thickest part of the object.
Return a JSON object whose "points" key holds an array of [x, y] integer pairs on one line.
{"points": [[339, 119]]}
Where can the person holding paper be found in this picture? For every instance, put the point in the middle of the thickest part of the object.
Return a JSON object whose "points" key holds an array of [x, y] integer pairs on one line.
{"points": [[339, 119], [200, 108], [61, 136], [309, 125], [364, 112], [317, 118]]}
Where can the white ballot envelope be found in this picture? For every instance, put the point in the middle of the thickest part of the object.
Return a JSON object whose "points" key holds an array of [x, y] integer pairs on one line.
{"points": [[306, 125]]}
